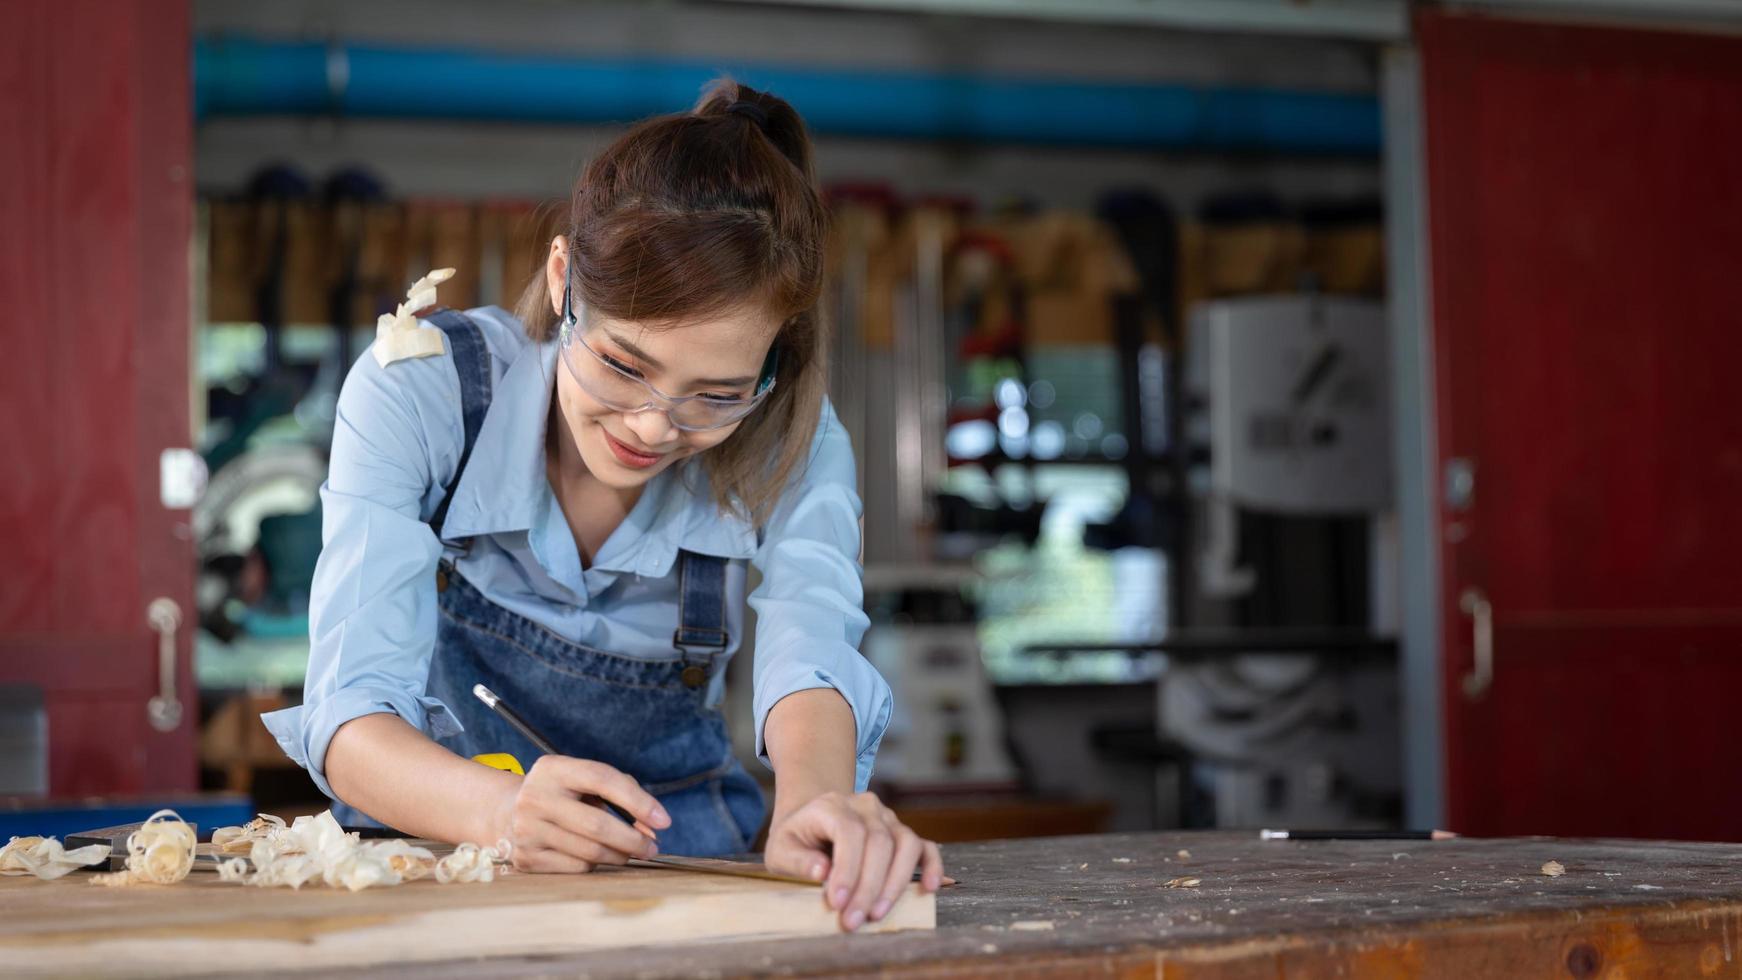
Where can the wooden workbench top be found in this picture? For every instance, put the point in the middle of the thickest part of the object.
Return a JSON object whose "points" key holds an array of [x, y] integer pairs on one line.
{"points": [[1464, 908], [1064, 906]]}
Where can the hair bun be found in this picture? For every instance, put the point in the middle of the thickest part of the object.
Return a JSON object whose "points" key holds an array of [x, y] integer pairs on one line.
{"points": [[751, 110]]}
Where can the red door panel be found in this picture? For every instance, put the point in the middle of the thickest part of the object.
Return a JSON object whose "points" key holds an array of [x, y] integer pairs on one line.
{"points": [[96, 189], [1606, 724], [1585, 215]]}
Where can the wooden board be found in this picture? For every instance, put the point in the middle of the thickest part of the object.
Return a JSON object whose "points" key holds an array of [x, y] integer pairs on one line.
{"points": [[207, 856], [203, 925]]}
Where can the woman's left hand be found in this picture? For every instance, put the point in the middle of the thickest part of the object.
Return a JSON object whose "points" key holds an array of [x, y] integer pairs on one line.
{"points": [[864, 856]]}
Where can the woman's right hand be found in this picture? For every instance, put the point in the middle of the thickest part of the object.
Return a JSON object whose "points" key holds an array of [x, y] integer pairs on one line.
{"points": [[550, 829]]}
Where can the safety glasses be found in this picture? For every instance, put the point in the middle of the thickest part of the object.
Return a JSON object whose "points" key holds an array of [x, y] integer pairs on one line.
{"points": [[621, 388]]}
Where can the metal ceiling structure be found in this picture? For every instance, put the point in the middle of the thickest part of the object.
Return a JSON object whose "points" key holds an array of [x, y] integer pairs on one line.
{"points": [[1374, 20]]}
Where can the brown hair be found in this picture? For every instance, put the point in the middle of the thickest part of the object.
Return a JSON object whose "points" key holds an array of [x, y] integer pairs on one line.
{"points": [[702, 213]]}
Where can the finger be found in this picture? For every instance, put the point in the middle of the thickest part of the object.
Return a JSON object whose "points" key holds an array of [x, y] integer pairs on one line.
{"points": [[788, 855], [621, 788], [908, 850], [847, 836], [595, 824], [873, 868], [932, 868], [551, 837], [809, 864], [544, 861]]}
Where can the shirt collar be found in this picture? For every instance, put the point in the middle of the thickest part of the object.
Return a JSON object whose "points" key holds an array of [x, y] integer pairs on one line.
{"points": [[676, 512], [504, 485]]}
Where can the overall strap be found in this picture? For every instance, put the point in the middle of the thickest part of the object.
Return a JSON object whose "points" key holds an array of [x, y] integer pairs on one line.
{"points": [[472, 361], [701, 612]]}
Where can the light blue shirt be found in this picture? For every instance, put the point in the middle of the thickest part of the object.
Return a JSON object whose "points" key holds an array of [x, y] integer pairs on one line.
{"points": [[372, 608]]}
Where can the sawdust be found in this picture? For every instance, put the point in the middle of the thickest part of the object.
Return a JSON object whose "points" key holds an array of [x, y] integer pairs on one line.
{"points": [[1184, 855], [160, 852], [1184, 881], [1032, 925], [46, 857], [1554, 869]]}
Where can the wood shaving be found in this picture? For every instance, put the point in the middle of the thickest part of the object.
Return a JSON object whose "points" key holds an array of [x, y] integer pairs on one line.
{"points": [[160, 852], [240, 840], [1032, 925], [1184, 882], [1554, 869], [46, 857], [406, 860], [318, 849], [1184, 855], [469, 863], [398, 334], [1121, 860]]}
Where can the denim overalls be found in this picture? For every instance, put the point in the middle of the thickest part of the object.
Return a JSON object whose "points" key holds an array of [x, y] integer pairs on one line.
{"points": [[648, 718]]}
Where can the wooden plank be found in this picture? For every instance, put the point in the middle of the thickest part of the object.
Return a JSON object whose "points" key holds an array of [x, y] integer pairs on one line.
{"points": [[1460, 909], [202, 925]]}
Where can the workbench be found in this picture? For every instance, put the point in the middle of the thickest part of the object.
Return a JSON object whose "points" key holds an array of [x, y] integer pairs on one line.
{"points": [[1101, 905]]}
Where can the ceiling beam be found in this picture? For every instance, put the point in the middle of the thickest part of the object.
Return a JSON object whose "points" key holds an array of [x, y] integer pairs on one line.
{"points": [[1375, 20]]}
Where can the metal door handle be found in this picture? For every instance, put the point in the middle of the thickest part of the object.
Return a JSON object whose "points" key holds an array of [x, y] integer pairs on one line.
{"points": [[1481, 676], [164, 709]]}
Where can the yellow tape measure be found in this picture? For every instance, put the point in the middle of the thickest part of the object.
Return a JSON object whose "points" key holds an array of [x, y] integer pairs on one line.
{"points": [[502, 761]]}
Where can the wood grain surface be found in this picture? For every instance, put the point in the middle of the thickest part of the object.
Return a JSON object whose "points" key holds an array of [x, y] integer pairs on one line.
{"points": [[203, 925], [1098, 906], [1081, 906]]}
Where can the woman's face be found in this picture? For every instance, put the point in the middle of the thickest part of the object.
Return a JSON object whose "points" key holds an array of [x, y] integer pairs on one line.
{"points": [[624, 450]]}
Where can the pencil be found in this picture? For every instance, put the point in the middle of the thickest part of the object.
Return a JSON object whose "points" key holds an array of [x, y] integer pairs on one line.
{"points": [[524, 727], [1356, 835]]}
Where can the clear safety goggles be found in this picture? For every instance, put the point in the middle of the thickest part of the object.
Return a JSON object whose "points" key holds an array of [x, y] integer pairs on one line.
{"points": [[621, 388]]}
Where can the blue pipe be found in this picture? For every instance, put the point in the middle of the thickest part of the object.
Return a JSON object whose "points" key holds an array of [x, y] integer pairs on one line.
{"points": [[257, 77]]}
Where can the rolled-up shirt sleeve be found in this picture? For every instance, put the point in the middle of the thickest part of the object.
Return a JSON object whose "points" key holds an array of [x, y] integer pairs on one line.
{"points": [[372, 606], [809, 608]]}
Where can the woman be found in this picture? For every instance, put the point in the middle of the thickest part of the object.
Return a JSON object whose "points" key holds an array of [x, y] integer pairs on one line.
{"points": [[574, 535]]}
